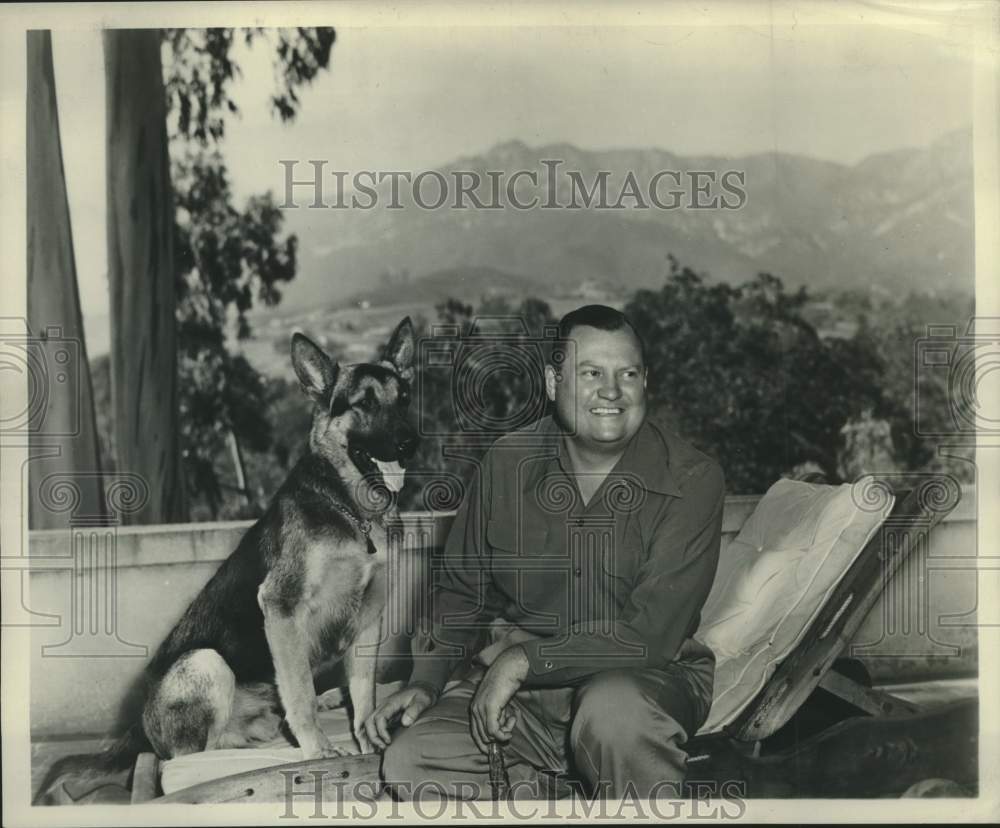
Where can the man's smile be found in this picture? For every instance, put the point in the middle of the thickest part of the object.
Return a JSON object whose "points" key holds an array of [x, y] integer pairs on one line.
{"points": [[607, 410]]}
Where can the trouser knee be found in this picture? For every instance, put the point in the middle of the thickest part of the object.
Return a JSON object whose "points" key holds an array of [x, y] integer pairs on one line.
{"points": [[619, 732], [608, 713], [402, 762]]}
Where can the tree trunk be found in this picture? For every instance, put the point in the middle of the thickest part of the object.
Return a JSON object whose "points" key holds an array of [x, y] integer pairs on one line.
{"points": [[62, 431], [141, 272], [240, 467]]}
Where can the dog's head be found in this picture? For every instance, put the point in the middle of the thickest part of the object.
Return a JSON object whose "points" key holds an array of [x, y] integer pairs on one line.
{"points": [[362, 408]]}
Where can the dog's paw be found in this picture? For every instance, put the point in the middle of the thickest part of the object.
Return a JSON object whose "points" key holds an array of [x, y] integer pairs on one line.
{"points": [[317, 746], [327, 750], [332, 751], [332, 699]]}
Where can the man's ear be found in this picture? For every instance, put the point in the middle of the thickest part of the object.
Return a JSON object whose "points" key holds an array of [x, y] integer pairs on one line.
{"points": [[401, 348], [552, 379], [315, 370]]}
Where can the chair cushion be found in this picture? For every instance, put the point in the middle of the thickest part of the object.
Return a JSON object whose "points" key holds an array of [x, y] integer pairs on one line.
{"points": [[774, 578]]}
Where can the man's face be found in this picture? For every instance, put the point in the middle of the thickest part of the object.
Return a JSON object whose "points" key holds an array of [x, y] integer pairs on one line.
{"points": [[600, 395]]}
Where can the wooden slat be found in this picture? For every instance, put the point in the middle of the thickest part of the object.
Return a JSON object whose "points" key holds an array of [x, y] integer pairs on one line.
{"points": [[328, 780], [868, 699], [145, 782]]}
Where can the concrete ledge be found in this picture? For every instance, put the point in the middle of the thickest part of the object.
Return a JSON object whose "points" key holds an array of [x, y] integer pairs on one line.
{"points": [[88, 648], [175, 543]]}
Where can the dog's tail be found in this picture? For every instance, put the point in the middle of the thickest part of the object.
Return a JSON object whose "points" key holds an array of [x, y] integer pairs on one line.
{"points": [[91, 770]]}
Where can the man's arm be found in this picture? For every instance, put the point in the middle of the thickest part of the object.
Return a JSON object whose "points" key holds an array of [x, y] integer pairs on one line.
{"points": [[463, 597], [670, 590]]}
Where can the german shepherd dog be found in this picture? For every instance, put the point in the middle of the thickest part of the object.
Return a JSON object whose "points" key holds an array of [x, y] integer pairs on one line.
{"points": [[305, 587]]}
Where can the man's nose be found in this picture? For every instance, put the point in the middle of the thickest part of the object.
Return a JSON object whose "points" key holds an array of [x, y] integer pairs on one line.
{"points": [[610, 390]]}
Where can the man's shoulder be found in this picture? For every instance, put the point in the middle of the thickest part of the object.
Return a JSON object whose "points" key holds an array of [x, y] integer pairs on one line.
{"points": [[687, 464], [527, 440]]}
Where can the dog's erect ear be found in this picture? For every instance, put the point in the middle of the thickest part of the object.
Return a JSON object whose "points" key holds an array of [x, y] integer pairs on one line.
{"points": [[315, 370], [399, 352]]}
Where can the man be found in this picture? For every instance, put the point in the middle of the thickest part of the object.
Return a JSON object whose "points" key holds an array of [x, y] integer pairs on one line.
{"points": [[595, 537]]}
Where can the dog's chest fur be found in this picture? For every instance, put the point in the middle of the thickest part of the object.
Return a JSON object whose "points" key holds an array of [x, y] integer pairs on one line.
{"points": [[345, 589], [324, 570]]}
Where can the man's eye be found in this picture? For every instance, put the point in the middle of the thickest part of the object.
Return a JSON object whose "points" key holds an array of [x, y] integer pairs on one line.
{"points": [[590, 372]]}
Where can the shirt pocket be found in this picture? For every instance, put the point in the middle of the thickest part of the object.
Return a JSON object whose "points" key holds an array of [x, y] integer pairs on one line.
{"points": [[507, 539], [520, 570]]}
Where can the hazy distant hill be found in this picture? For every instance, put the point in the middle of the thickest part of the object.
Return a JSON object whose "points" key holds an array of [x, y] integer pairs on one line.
{"points": [[470, 284], [897, 220]]}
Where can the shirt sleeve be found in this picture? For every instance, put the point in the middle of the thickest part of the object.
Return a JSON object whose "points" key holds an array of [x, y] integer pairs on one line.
{"points": [[665, 604], [463, 598]]}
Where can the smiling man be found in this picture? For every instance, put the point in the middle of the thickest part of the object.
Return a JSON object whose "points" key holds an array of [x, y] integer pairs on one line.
{"points": [[584, 549]]}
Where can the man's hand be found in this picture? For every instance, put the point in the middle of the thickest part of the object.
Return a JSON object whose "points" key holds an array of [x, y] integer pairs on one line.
{"points": [[489, 719], [410, 701]]}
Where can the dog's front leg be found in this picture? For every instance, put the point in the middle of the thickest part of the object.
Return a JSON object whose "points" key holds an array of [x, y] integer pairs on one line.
{"points": [[287, 643], [359, 664]]}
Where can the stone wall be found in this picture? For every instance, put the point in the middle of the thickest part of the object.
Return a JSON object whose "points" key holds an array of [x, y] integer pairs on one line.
{"points": [[94, 624]]}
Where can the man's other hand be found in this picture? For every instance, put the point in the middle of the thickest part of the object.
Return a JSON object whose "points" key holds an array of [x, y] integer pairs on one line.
{"points": [[410, 702], [489, 718]]}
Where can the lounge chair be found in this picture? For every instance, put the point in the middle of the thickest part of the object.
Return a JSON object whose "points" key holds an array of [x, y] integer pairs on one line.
{"points": [[790, 716]]}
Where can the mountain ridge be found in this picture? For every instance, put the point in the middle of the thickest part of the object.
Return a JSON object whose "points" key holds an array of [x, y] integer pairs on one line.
{"points": [[899, 220]]}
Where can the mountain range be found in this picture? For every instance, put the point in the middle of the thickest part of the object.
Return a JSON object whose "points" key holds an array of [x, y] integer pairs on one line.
{"points": [[896, 221]]}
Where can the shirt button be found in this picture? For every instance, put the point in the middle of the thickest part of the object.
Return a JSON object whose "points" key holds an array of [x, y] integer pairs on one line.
{"points": [[548, 665], [578, 572]]}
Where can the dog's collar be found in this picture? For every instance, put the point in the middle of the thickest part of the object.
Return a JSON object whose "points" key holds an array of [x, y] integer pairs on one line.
{"points": [[364, 525]]}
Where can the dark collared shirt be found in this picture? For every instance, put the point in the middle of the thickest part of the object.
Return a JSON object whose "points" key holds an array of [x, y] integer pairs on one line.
{"points": [[618, 582]]}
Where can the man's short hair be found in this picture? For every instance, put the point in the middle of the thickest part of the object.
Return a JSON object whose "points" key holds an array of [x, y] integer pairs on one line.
{"points": [[595, 316]]}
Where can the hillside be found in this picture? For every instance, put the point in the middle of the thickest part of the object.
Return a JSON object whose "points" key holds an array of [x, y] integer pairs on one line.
{"points": [[897, 221]]}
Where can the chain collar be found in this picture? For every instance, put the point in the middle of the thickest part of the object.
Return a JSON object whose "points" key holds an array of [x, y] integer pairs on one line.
{"points": [[364, 525]]}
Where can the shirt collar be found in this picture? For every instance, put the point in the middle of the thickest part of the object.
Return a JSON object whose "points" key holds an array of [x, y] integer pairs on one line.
{"points": [[647, 456]]}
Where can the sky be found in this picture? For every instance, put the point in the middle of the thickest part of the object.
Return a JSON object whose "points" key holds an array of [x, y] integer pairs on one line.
{"points": [[413, 99]]}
